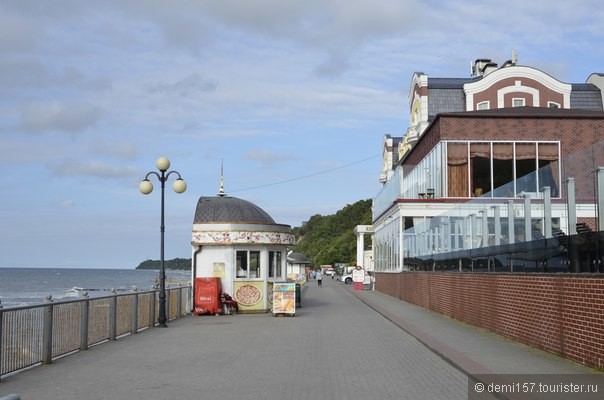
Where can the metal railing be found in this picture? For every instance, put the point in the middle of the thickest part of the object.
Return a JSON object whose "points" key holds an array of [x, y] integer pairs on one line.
{"points": [[33, 335]]}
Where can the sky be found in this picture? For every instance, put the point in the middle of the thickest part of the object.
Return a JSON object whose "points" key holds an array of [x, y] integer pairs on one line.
{"points": [[293, 98]]}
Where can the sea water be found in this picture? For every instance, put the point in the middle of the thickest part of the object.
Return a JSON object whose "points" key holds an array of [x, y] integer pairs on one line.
{"points": [[29, 286]]}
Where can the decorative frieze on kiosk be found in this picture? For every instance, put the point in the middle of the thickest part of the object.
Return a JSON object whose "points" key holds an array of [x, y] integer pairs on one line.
{"points": [[251, 237]]}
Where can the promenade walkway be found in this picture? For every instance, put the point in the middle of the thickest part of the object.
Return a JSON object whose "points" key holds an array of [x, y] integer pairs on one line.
{"points": [[336, 347]]}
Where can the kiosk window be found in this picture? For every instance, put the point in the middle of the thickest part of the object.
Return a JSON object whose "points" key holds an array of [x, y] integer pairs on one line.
{"points": [[274, 264], [247, 264]]}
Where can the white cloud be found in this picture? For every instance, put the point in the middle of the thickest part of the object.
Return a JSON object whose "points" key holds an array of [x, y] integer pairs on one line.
{"points": [[94, 169], [67, 204], [16, 32], [324, 23], [122, 149], [333, 67], [72, 117], [267, 158], [188, 86], [324, 165], [26, 152]]}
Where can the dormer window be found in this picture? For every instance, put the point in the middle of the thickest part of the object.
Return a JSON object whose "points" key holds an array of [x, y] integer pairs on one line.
{"points": [[518, 102], [551, 104], [483, 105]]}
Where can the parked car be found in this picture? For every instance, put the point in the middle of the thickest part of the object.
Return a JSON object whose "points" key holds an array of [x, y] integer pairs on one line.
{"points": [[329, 272], [346, 278]]}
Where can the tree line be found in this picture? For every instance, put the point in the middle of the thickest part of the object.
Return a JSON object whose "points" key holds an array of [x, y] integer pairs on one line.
{"points": [[176, 263], [330, 239]]}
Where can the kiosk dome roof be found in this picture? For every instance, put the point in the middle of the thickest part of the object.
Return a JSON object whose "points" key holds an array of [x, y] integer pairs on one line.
{"points": [[225, 209]]}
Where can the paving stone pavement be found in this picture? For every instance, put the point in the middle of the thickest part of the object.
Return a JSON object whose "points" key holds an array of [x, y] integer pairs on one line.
{"points": [[336, 347]]}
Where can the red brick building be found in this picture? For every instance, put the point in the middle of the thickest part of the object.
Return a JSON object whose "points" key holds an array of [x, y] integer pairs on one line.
{"points": [[501, 135], [494, 176]]}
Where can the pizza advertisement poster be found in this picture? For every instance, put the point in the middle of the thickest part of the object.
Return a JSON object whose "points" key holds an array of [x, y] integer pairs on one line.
{"points": [[249, 295]]}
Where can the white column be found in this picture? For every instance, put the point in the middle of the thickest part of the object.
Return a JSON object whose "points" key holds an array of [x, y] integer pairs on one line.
{"points": [[360, 247], [401, 241], [485, 228], [571, 206], [547, 212], [528, 233], [497, 223], [511, 234], [600, 197]]}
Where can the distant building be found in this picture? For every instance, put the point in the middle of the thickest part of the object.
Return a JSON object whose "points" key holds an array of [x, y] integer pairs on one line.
{"points": [[297, 264], [475, 148]]}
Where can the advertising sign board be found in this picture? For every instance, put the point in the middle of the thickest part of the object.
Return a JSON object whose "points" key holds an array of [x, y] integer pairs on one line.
{"points": [[358, 274]]}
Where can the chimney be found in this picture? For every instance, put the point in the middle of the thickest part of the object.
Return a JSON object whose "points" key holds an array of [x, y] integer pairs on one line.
{"points": [[483, 67]]}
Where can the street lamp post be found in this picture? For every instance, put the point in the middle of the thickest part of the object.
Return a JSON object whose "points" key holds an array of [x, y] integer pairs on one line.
{"points": [[146, 187]]}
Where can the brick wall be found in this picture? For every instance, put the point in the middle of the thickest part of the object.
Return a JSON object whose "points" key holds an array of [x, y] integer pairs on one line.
{"points": [[561, 314]]}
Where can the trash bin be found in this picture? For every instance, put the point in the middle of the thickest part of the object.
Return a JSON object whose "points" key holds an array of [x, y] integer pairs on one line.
{"points": [[298, 295]]}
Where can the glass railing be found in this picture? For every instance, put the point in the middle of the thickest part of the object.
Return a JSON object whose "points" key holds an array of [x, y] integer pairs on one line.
{"points": [[532, 232]]}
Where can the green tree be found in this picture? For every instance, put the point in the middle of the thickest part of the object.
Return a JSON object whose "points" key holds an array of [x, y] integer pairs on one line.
{"points": [[330, 239], [176, 263]]}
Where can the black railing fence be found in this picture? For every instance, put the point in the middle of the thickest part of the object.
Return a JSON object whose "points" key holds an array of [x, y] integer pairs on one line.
{"points": [[37, 334]]}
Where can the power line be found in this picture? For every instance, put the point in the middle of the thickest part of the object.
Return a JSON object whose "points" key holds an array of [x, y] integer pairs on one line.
{"points": [[306, 176]]}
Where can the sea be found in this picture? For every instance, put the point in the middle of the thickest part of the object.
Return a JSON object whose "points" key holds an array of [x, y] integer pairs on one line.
{"points": [[30, 286]]}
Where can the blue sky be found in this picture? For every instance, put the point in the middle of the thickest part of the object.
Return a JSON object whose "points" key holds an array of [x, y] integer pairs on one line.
{"points": [[94, 92]]}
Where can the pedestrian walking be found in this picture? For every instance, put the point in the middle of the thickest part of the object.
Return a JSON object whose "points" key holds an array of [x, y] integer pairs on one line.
{"points": [[319, 277]]}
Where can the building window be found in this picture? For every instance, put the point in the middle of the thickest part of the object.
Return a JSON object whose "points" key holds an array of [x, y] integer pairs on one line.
{"points": [[551, 104], [484, 105], [275, 269], [480, 164], [518, 102], [502, 169], [457, 168], [548, 173], [247, 264], [526, 166]]}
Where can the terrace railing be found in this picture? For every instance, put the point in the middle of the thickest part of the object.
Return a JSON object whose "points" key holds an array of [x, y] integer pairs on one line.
{"points": [[37, 334]]}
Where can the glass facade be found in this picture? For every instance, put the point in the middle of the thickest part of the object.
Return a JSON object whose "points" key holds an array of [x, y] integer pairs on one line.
{"points": [[501, 169], [387, 246], [495, 171]]}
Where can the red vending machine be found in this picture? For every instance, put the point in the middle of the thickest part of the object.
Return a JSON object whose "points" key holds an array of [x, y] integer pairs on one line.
{"points": [[207, 296]]}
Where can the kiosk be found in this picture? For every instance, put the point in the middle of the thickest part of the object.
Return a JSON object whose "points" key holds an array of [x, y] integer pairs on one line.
{"points": [[240, 244]]}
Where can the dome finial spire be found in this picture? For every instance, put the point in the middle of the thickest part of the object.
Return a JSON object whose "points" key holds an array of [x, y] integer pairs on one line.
{"points": [[221, 191]]}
